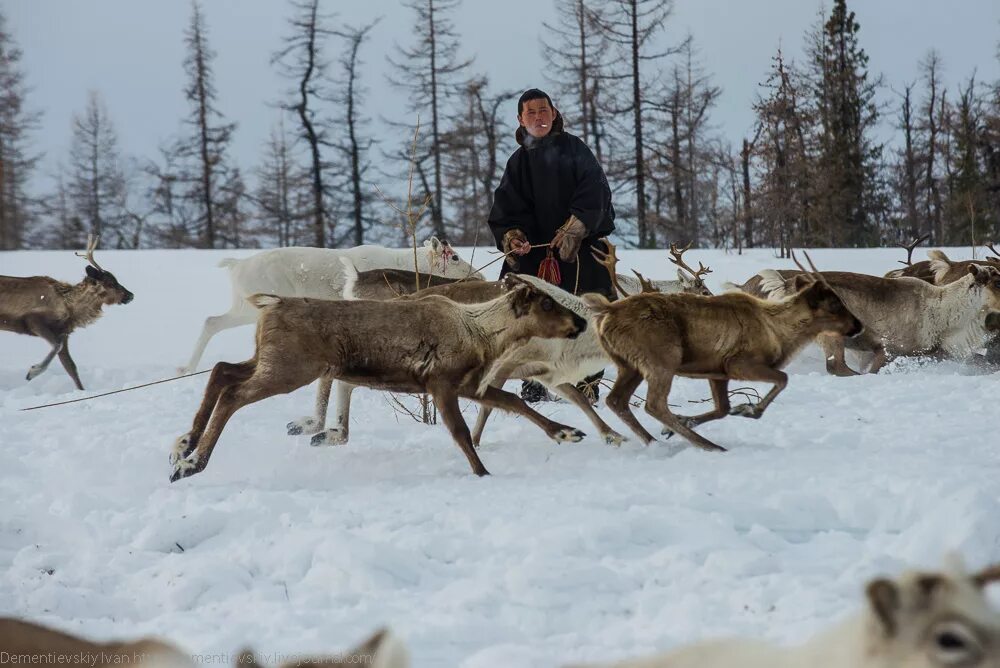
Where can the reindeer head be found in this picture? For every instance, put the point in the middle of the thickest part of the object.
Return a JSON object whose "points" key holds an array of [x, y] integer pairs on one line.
{"points": [[988, 278], [444, 261], [934, 620], [829, 312], [113, 291], [547, 318]]}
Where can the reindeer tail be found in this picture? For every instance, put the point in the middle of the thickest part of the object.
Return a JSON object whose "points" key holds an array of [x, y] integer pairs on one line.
{"points": [[263, 301], [939, 263], [728, 286], [597, 303], [350, 278], [773, 284]]}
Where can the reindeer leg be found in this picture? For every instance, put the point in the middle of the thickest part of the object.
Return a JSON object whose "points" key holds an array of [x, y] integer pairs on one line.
{"points": [[657, 396], [239, 315], [879, 360], [573, 395], [755, 371], [627, 380], [280, 380], [314, 423], [497, 398], [446, 401], [720, 395], [498, 374], [41, 330], [223, 375], [69, 364], [340, 433], [833, 351]]}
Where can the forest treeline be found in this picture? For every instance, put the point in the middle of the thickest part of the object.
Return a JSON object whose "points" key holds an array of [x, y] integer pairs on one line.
{"points": [[837, 156]]}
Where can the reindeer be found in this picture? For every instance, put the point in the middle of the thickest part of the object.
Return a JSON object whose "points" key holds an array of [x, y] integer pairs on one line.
{"points": [[938, 269], [902, 316], [52, 310], [431, 345], [379, 284], [920, 620], [30, 643], [383, 284], [316, 273], [556, 363], [734, 336], [688, 280]]}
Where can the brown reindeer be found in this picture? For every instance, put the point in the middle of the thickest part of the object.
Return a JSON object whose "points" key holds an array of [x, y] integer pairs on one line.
{"points": [[23, 642], [432, 345], [938, 269], [50, 309], [734, 336], [29, 643]]}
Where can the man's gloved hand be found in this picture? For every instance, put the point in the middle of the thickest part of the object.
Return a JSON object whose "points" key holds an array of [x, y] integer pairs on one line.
{"points": [[568, 238], [515, 244]]}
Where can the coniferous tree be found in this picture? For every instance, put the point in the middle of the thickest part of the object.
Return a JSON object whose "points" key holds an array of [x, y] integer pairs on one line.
{"points": [[17, 162], [97, 187], [202, 152], [302, 60], [845, 193], [430, 72]]}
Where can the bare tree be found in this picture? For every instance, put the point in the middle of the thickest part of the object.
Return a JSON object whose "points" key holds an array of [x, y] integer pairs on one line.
{"points": [[430, 71], [576, 53], [97, 181], [301, 59], [282, 186], [633, 26], [17, 163], [930, 128], [354, 145], [204, 149]]}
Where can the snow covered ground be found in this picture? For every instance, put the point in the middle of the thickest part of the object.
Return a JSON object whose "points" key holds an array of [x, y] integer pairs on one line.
{"points": [[568, 552]]}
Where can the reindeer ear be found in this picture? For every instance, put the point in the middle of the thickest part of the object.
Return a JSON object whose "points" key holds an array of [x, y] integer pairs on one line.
{"points": [[802, 281], [435, 244], [981, 274], [883, 597], [93, 272]]}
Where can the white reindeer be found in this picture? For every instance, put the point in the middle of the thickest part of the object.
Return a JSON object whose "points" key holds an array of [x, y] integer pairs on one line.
{"points": [[316, 273], [921, 620]]}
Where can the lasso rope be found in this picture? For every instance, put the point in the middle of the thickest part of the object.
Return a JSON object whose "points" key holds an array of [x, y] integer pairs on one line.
{"points": [[105, 394]]}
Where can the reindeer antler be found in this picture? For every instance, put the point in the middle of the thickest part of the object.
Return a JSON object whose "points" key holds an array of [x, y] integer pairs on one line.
{"points": [[987, 575], [678, 259], [609, 261], [92, 241], [909, 248], [645, 284], [995, 252], [815, 273]]}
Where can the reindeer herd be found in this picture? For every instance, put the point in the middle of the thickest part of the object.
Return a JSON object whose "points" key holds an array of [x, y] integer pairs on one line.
{"points": [[363, 317]]}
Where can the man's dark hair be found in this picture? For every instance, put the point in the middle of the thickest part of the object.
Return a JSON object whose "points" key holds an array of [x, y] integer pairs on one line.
{"points": [[532, 94]]}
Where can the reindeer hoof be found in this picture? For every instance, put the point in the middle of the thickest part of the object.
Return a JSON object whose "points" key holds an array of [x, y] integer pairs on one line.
{"points": [[184, 469], [746, 410], [329, 437], [568, 434], [614, 438], [182, 448], [667, 432], [34, 371], [305, 425]]}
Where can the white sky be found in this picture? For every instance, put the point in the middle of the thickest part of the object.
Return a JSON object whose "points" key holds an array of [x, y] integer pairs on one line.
{"points": [[131, 51]]}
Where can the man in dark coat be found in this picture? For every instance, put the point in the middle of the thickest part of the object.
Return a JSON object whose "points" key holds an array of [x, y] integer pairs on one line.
{"points": [[553, 191]]}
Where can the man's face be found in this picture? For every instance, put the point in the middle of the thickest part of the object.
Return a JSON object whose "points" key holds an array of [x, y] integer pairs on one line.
{"points": [[536, 117]]}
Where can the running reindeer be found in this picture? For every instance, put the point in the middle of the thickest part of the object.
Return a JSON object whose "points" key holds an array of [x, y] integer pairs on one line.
{"points": [[431, 345], [44, 307], [734, 336]]}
